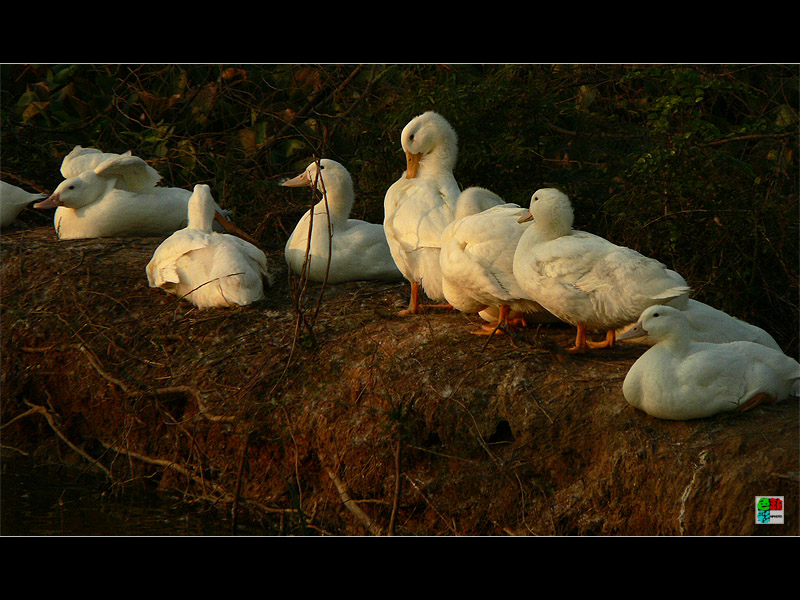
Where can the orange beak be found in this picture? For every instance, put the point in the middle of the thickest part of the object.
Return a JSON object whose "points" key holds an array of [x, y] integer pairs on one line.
{"points": [[231, 228], [412, 164], [299, 181], [51, 202]]}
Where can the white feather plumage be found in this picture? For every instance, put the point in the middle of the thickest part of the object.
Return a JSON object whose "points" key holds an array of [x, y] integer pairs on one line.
{"points": [[12, 200], [419, 205], [358, 250], [477, 258], [206, 268], [584, 279], [681, 378]]}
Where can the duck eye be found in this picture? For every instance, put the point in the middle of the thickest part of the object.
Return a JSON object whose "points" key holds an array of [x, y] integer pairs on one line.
{"points": [[655, 314], [72, 187]]}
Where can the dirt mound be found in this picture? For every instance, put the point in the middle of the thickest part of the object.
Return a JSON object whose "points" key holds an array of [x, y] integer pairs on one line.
{"points": [[365, 423]]}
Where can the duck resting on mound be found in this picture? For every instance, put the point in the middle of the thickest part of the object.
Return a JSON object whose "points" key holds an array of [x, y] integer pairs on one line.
{"points": [[680, 378], [357, 249], [206, 268], [118, 199]]}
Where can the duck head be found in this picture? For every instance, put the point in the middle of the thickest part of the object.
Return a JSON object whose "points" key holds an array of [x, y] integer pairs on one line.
{"points": [[550, 208], [325, 174], [430, 140], [75, 192], [331, 179], [202, 209], [659, 322]]}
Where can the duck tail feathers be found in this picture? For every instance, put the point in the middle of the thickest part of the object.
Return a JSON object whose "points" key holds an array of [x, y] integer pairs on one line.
{"points": [[673, 293]]}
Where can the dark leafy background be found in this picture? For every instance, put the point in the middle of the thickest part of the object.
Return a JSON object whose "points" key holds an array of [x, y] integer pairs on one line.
{"points": [[695, 165]]}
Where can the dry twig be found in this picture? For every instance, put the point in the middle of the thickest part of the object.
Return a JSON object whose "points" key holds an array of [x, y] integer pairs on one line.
{"points": [[351, 504]]}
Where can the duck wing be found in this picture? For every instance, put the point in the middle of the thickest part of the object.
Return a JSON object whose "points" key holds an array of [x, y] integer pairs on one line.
{"points": [[133, 173]]}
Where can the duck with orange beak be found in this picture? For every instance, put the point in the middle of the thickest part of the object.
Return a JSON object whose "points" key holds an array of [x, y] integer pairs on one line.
{"points": [[120, 198], [419, 205]]}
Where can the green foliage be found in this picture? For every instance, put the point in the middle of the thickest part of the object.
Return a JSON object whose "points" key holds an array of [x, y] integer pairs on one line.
{"points": [[695, 165]]}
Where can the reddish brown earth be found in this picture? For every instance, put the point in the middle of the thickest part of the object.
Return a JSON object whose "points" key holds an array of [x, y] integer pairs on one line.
{"points": [[375, 424]]}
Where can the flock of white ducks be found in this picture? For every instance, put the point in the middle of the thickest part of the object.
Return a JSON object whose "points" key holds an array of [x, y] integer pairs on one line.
{"points": [[468, 251]]}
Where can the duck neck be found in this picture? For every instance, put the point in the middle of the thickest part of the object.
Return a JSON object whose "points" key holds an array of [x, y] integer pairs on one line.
{"points": [[441, 158], [110, 184], [544, 232], [201, 214], [678, 340], [337, 201]]}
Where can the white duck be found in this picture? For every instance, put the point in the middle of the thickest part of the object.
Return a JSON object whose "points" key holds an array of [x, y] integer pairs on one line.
{"points": [[584, 279], [680, 378], [477, 259], [474, 200], [82, 159], [358, 249], [12, 200], [118, 198], [420, 204], [715, 326], [206, 268]]}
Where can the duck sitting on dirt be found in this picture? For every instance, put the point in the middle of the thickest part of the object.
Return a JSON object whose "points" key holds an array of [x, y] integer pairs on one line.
{"points": [[357, 249], [118, 198], [206, 268], [680, 378]]}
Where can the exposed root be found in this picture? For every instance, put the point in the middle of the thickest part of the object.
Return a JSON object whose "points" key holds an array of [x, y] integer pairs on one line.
{"points": [[351, 504]]}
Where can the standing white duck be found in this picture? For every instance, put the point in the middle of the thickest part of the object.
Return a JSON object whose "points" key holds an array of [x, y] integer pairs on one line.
{"points": [[712, 325], [358, 250], [12, 200], [118, 198], [680, 378], [584, 279], [419, 205], [206, 268], [477, 259]]}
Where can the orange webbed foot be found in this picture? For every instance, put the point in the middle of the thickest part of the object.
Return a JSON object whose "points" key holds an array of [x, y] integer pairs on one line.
{"points": [[611, 337], [756, 400]]}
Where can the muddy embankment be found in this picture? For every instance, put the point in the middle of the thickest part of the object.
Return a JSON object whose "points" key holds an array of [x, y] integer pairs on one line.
{"points": [[369, 423]]}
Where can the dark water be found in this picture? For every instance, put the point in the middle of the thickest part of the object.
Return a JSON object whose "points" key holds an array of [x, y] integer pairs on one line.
{"points": [[54, 500]]}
